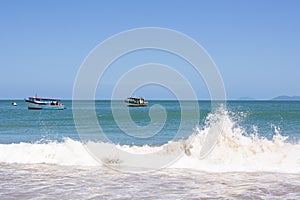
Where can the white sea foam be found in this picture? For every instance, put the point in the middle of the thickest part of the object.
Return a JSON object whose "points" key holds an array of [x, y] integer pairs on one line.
{"points": [[235, 150], [69, 152]]}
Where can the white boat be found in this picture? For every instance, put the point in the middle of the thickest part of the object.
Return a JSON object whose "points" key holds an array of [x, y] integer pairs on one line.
{"points": [[14, 104], [136, 102], [44, 103]]}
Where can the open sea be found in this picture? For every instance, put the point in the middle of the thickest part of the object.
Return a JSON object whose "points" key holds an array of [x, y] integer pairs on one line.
{"points": [[256, 153]]}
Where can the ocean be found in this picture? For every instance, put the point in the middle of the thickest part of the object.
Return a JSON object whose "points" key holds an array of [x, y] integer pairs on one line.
{"points": [[151, 152]]}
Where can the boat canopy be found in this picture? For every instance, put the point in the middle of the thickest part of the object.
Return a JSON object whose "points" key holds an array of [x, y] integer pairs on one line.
{"points": [[42, 99]]}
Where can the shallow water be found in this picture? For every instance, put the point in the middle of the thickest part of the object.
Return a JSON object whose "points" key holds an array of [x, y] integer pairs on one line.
{"points": [[42, 181]]}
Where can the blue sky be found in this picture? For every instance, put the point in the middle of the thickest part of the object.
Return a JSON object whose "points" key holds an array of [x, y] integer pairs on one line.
{"points": [[255, 44]]}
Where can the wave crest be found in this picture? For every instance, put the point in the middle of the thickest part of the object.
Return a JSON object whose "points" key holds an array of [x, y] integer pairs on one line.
{"points": [[234, 150]]}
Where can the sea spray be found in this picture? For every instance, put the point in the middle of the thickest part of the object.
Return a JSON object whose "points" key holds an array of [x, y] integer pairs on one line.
{"points": [[235, 150]]}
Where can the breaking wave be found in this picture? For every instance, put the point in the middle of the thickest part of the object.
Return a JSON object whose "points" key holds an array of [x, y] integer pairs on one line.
{"points": [[235, 150]]}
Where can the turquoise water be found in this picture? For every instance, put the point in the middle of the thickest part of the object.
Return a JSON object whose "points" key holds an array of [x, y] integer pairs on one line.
{"points": [[18, 124], [268, 115], [256, 154]]}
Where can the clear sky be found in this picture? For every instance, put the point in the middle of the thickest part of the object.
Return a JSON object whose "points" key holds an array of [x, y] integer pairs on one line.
{"points": [[255, 44]]}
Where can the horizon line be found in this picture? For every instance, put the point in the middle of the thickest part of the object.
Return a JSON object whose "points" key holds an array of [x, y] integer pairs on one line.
{"points": [[230, 99]]}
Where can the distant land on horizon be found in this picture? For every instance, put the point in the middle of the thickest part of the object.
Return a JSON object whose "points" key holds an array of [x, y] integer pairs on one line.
{"points": [[285, 97], [278, 98]]}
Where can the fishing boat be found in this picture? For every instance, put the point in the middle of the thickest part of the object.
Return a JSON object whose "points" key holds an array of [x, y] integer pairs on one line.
{"points": [[44, 103], [136, 102]]}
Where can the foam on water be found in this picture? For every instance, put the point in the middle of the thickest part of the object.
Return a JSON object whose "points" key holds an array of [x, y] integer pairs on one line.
{"points": [[69, 152], [235, 150]]}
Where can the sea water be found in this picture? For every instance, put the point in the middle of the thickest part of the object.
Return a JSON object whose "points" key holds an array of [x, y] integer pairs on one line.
{"points": [[256, 155]]}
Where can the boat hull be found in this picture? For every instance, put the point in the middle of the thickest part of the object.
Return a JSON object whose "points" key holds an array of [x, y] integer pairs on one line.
{"points": [[136, 105], [43, 106]]}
